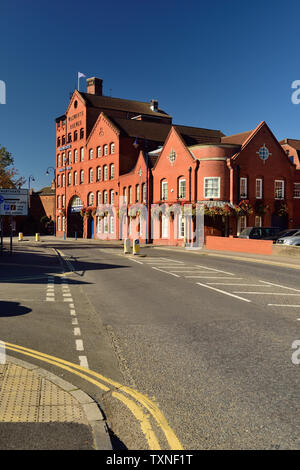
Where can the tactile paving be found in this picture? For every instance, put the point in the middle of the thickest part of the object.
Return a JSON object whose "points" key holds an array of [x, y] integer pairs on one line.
{"points": [[28, 397]]}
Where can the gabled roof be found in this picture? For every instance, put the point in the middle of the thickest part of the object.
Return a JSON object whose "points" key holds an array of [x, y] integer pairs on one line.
{"points": [[198, 135], [295, 143], [107, 102], [236, 139], [154, 131]]}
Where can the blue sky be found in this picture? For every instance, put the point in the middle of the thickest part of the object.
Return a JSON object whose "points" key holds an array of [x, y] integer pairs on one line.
{"points": [[227, 65]]}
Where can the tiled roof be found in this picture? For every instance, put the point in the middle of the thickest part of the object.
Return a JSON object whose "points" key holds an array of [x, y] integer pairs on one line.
{"points": [[107, 102], [198, 135], [237, 139], [292, 142], [154, 131]]}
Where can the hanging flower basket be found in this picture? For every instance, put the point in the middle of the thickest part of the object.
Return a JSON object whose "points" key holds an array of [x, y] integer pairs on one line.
{"points": [[261, 208], [281, 208], [244, 208]]}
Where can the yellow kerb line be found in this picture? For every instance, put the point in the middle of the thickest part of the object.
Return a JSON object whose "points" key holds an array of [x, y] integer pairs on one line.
{"points": [[172, 439]]}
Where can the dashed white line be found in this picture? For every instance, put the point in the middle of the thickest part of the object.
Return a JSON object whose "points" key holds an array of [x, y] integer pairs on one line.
{"points": [[284, 305], [212, 269], [213, 277], [136, 261], [265, 293], [77, 332], [278, 285], [83, 361], [72, 312], [233, 284], [223, 292], [161, 270], [74, 321], [79, 345]]}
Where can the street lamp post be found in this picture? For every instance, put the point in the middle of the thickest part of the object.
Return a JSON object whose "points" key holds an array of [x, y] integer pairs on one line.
{"points": [[31, 178], [54, 174], [65, 171], [136, 144]]}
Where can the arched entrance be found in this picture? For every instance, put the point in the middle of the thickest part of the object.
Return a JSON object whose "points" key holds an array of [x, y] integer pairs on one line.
{"points": [[75, 221]]}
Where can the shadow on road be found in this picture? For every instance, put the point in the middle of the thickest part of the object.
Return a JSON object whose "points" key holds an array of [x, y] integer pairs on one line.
{"points": [[12, 309]]}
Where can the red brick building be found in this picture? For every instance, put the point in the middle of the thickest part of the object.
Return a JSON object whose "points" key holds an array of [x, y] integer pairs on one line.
{"points": [[113, 152]]}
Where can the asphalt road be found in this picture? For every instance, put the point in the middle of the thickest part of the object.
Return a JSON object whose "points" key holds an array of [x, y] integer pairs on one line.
{"points": [[209, 339]]}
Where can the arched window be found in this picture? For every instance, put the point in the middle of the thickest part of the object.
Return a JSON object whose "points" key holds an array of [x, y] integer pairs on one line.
{"points": [[58, 181], [181, 188], [91, 175], [58, 141], [69, 179], [137, 193], [69, 137], [112, 148], [98, 152], [75, 177], [130, 195], [63, 177], [98, 173], [164, 190], [105, 172], [112, 196], [58, 160], [112, 171], [75, 156], [144, 192], [81, 133], [58, 202], [75, 135], [81, 154], [91, 199], [98, 198], [91, 153], [105, 149], [81, 177], [104, 197]]}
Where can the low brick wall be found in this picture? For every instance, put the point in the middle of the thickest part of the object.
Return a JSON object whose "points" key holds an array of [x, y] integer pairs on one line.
{"points": [[242, 245]]}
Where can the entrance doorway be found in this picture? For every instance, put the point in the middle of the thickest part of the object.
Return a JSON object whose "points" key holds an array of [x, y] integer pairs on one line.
{"points": [[75, 221]]}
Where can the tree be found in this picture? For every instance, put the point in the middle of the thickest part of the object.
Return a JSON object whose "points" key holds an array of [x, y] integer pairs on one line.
{"points": [[8, 174]]}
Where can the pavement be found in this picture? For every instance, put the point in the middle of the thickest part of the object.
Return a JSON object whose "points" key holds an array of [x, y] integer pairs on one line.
{"points": [[39, 409]]}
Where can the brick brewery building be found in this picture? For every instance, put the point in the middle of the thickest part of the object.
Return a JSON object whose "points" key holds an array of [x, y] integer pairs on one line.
{"points": [[111, 150]]}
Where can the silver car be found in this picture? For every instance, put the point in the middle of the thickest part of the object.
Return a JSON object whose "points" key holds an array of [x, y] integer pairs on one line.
{"points": [[290, 240]]}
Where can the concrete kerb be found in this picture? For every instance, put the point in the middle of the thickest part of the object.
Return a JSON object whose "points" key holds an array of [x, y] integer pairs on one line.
{"points": [[91, 409]]}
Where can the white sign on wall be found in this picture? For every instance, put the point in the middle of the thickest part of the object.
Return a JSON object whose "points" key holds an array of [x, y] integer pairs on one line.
{"points": [[13, 201]]}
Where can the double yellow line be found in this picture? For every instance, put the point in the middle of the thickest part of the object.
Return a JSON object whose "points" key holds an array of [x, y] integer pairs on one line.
{"points": [[120, 394]]}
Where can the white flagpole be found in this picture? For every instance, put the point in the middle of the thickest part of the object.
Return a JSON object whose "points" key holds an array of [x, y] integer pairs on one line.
{"points": [[78, 81]]}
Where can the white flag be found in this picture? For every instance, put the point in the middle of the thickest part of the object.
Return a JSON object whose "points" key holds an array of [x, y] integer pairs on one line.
{"points": [[81, 75]]}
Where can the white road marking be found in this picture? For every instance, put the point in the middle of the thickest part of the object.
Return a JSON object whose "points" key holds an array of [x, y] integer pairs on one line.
{"points": [[74, 321], [49, 299], [68, 299], [136, 261], [71, 306], [72, 312], [157, 269], [233, 284], [280, 305], [212, 269], [213, 277], [50, 294], [2, 352], [223, 292], [83, 361], [77, 332], [79, 345], [278, 285], [265, 293], [172, 260], [67, 294]]}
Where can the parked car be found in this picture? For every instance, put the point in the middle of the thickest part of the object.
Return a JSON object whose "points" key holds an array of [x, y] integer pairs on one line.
{"points": [[290, 240], [260, 233], [289, 232]]}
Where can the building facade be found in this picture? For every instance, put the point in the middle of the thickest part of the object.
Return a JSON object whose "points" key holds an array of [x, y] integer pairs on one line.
{"points": [[115, 158]]}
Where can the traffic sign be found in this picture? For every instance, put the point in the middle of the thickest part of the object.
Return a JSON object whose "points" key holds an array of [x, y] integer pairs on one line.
{"points": [[13, 201]]}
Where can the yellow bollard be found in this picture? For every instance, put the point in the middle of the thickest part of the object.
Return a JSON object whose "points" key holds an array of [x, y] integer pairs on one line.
{"points": [[136, 246], [20, 236], [37, 237]]}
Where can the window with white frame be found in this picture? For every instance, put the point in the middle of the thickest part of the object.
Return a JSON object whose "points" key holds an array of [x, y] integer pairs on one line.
{"points": [[58, 202], [105, 149], [137, 193], [279, 189], [112, 148], [69, 179], [81, 154], [105, 197], [75, 177], [296, 190], [63, 201], [63, 222], [258, 190], [58, 160], [98, 198], [112, 196], [58, 181], [180, 226], [112, 224], [258, 221], [91, 174], [81, 177], [69, 157], [181, 188], [59, 223], [130, 195], [164, 190], [112, 171], [75, 156], [63, 178], [98, 152], [144, 192], [63, 158], [91, 199], [125, 195], [212, 187], [98, 173], [243, 188], [91, 152], [242, 224], [105, 224], [105, 173]]}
